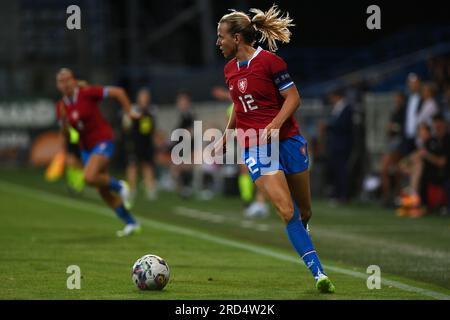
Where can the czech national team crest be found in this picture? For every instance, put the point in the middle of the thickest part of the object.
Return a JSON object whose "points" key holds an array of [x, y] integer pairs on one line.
{"points": [[242, 85]]}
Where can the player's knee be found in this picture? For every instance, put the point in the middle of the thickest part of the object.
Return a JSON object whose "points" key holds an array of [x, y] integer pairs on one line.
{"points": [[286, 211], [89, 179]]}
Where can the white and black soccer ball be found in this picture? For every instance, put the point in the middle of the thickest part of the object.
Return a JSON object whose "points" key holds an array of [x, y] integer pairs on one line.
{"points": [[150, 273]]}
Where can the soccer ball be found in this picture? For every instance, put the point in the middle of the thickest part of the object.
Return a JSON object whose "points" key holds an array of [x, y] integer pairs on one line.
{"points": [[150, 273]]}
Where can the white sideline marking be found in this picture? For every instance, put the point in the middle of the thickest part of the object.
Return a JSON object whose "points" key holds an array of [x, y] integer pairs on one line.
{"points": [[94, 208], [198, 214], [321, 232], [218, 218]]}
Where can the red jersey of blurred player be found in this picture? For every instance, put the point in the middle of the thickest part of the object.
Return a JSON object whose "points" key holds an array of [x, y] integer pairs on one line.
{"points": [[255, 89], [84, 115]]}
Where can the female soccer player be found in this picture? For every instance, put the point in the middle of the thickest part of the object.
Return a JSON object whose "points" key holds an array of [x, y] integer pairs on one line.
{"points": [[79, 109], [265, 98]]}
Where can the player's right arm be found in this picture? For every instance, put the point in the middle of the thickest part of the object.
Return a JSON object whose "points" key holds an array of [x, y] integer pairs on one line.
{"points": [[63, 122], [61, 116], [220, 146]]}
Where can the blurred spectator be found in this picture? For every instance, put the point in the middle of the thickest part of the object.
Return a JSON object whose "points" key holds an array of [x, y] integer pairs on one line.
{"points": [[183, 173], [184, 104], [140, 145], [428, 168], [339, 130], [354, 95], [413, 106], [446, 104], [412, 167], [390, 160], [436, 170], [429, 105]]}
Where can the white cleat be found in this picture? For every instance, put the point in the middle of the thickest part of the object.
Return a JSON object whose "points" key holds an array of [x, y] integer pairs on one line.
{"points": [[125, 194], [132, 228], [256, 209]]}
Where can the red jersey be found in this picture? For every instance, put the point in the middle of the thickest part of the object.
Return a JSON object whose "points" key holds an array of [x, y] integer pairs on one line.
{"points": [[84, 115], [255, 87]]}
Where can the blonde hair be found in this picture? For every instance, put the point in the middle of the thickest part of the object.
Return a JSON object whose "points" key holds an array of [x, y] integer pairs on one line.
{"points": [[82, 83], [271, 25]]}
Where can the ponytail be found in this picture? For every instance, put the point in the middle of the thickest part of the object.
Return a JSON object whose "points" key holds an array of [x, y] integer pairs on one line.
{"points": [[272, 26]]}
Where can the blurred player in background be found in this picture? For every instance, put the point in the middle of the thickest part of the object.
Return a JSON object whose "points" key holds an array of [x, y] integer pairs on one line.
{"points": [[140, 145], [183, 173], [265, 98], [79, 109], [73, 164], [254, 203]]}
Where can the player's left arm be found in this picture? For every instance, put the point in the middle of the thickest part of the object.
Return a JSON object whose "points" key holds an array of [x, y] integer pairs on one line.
{"points": [[290, 105], [121, 96], [278, 71]]}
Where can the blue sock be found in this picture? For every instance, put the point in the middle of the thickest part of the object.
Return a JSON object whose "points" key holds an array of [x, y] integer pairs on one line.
{"points": [[124, 215], [303, 245], [114, 184]]}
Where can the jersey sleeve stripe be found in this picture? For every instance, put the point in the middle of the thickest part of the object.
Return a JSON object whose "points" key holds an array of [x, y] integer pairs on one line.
{"points": [[286, 86]]}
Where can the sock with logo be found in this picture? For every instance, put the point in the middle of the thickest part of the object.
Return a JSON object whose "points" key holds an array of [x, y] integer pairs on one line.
{"points": [[302, 243]]}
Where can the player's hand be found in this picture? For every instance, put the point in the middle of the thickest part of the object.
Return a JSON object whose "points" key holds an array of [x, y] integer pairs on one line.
{"points": [[135, 115], [220, 146], [271, 131], [220, 93]]}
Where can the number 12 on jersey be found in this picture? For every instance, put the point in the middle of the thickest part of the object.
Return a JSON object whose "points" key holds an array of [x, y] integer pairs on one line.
{"points": [[247, 101]]}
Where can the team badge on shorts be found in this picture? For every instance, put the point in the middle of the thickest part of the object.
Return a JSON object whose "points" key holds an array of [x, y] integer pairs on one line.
{"points": [[242, 85]]}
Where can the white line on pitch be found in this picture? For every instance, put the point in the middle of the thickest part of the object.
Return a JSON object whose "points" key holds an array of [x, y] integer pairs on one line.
{"points": [[101, 210]]}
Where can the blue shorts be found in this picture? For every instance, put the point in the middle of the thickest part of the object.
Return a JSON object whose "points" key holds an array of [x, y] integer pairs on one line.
{"points": [[292, 157], [105, 148]]}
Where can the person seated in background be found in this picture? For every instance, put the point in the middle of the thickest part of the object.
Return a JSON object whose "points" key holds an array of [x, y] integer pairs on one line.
{"points": [[436, 170], [390, 160], [429, 170], [412, 167]]}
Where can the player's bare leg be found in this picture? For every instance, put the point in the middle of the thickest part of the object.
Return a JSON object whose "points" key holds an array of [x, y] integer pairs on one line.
{"points": [[110, 198], [299, 187], [96, 175], [95, 171], [276, 188]]}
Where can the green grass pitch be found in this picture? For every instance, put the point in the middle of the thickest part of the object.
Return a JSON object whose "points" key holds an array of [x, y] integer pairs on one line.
{"points": [[212, 251]]}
